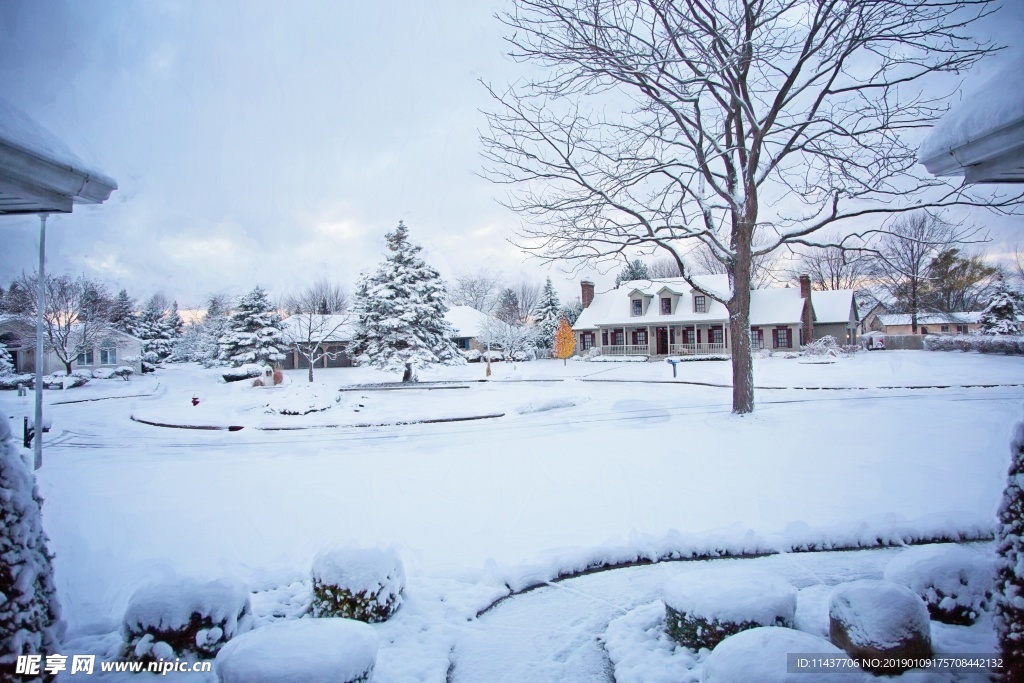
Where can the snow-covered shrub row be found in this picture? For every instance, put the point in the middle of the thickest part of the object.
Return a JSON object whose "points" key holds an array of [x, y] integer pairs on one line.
{"points": [[710, 356], [761, 654], [1007, 344], [184, 617], [704, 607], [336, 650], [248, 371], [29, 612], [13, 381], [471, 355], [364, 584], [954, 582], [1009, 588], [880, 620], [84, 373], [103, 373], [61, 381]]}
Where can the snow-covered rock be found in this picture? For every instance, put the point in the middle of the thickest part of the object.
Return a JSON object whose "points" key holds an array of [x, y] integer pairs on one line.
{"points": [[879, 619], [246, 371], [705, 606], [956, 583], [357, 583], [185, 616], [301, 651], [762, 655]]}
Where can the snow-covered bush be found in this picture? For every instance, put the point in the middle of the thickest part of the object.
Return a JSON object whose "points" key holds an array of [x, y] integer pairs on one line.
{"points": [[184, 617], [14, 381], [1001, 315], [762, 654], [336, 650], [955, 583], [826, 346], [132, 360], [62, 381], [6, 362], [102, 373], [1007, 344], [124, 372], [29, 612], [249, 371], [302, 400], [879, 620], [471, 355], [704, 607], [363, 584], [1009, 589], [85, 373]]}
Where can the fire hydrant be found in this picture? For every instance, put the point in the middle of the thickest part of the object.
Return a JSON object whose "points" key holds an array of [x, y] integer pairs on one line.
{"points": [[195, 400]]}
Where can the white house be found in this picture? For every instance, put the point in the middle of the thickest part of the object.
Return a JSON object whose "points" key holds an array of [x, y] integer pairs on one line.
{"points": [[112, 349], [467, 325], [670, 317]]}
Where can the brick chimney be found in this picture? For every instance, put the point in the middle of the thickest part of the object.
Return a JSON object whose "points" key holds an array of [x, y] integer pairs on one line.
{"points": [[807, 319], [588, 292]]}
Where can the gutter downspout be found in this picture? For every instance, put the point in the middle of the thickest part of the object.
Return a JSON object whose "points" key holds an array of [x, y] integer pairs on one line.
{"points": [[37, 442]]}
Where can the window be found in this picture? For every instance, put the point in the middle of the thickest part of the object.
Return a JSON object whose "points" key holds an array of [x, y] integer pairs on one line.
{"points": [[700, 303], [640, 338], [666, 305], [961, 329], [924, 330], [618, 337], [638, 307], [462, 343], [944, 328], [715, 336], [756, 338], [85, 357], [587, 340], [783, 338], [604, 337], [108, 355]]}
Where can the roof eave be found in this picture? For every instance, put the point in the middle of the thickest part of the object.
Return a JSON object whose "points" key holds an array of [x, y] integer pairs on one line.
{"points": [[994, 157], [31, 182]]}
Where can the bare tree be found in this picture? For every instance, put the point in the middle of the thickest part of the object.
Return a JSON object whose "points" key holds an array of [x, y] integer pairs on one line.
{"points": [[517, 303], [904, 254], [319, 322], [1018, 264], [75, 315], [515, 340], [664, 268], [832, 267], [658, 123], [478, 290], [763, 268]]}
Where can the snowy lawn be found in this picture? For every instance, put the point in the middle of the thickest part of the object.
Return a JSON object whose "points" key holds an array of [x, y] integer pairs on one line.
{"points": [[576, 471]]}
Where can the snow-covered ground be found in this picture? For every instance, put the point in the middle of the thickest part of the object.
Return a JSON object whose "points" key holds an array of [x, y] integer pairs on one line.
{"points": [[588, 463]]}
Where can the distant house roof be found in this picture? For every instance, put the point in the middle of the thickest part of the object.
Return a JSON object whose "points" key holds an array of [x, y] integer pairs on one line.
{"points": [[982, 138], [773, 306], [324, 328], [38, 174], [467, 322], [962, 318]]}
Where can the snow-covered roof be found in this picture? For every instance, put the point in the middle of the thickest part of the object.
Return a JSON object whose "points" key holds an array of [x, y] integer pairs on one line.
{"points": [[40, 172], [328, 328], [774, 306], [466, 321], [967, 317], [833, 306], [982, 138]]}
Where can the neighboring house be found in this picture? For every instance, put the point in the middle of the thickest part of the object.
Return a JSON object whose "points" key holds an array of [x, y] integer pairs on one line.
{"points": [[19, 335], [467, 324], [929, 323], [670, 317], [869, 321], [334, 332]]}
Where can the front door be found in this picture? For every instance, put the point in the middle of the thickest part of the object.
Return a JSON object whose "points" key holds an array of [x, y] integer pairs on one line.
{"points": [[662, 337]]}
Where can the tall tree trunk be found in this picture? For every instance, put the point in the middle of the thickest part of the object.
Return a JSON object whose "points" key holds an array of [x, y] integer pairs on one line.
{"points": [[739, 326]]}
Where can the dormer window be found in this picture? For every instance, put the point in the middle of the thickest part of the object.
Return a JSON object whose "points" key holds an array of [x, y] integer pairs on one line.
{"points": [[638, 307], [666, 305], [700, 303]]}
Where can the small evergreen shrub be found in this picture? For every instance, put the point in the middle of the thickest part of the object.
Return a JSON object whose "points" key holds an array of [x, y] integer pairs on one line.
{"points": [[1009, 589], [124, 372], [357, 584]]}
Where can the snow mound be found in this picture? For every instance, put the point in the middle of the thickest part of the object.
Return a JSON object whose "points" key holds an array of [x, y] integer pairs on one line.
{"points": [[302, 400], [762, 655], [246, 371], [812, 610], [642, 652], [705, 606], [879, 619], [955, 582], [185, 616], [357, 583], [306, 650], [551, 403]]}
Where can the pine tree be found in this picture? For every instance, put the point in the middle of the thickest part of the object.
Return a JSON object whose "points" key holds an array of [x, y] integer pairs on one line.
{"points": [[634, 270], [400, 311], [215, 325], [173, 322], [122, 313], [1000, 316], [29, 612], [565, 340], [548, 314], [255, 333], [1009, 610], [6, 362], [153, 330]]}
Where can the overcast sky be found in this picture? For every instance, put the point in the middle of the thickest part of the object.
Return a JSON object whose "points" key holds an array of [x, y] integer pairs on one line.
{"points": [[270, 142]]}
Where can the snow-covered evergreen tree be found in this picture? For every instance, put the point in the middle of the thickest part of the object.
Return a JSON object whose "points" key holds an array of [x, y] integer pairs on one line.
{"points": [[6, 362], [153, 330], [1000, 316], [29, 612], [572, 310], [122, 313], [634, 270], [255, 333], [548, 315], [214, 326], [400, 311], [1009, 598], [175, 325]]}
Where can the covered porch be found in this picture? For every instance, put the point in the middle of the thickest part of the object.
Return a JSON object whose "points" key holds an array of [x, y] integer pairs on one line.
{"points": [[666, 340]]}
